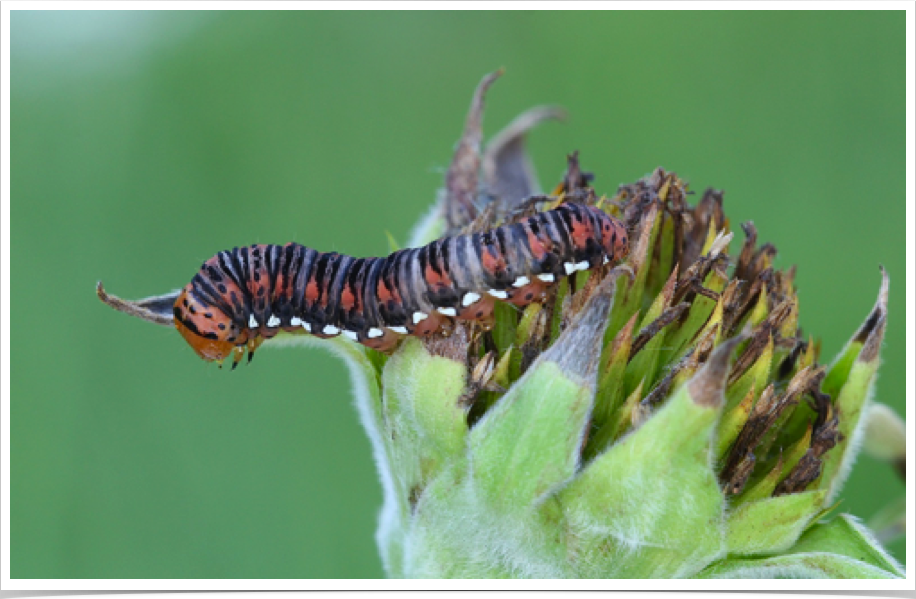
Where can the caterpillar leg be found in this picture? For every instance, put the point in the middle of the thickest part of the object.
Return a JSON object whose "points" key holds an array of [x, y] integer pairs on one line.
{"points": [[386, 343], [481, 311], [534, 291], [237, 353], [430, 324]]}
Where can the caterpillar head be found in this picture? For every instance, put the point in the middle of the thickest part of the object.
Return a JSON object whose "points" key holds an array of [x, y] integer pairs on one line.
{"points": [[209, 332]]}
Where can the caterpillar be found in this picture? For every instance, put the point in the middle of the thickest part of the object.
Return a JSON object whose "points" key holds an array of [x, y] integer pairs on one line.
{"points": [[243, 296]]}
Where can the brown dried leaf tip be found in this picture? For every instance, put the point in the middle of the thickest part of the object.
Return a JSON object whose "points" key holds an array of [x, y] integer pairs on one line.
{"points": [[506, 171], [872, 332], [461, 178], [156, 309]]}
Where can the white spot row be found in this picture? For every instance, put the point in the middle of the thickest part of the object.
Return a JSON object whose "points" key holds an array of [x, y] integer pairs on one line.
{"points": [[372, 333], [470, 298], [296, 321], [570, 267]]}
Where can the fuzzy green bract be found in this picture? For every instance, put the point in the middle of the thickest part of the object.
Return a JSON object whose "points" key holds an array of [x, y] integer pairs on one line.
{"points": [[719, 458], [511, 496], [664, 418]]}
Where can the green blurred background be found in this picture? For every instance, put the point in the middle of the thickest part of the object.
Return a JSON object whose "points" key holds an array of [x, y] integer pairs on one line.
{"points": [[143, 142]]}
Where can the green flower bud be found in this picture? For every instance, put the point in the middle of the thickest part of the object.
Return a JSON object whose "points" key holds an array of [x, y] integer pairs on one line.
{"points": [[660, 418]]}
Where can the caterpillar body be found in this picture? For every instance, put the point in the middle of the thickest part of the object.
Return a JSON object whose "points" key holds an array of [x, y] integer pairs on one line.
{"points": [[245, 295]]}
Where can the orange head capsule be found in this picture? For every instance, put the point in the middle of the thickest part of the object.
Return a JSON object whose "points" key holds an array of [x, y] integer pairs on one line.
{"points": [[207, 330]]}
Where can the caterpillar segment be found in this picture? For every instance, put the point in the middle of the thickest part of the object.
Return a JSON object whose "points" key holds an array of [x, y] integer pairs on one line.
{"points": [[243, 296]]}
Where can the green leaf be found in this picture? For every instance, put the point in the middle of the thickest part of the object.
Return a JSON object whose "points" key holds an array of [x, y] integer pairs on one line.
{"points": [[846, 536], [756, 377], [802, 565], [609, 394], [849, 404], [771, 525], [630, 298], [422, 429], [624, 419], [528, 443], [423, 421], [663, 257], [760, 310], [839, 371], [501, 370], [761, 487], [650, 506], [610, 376], [642, 366], [679, 339], [435, 546], [456, 532], [521, 450], [528, 338], [732, 422], [504, 326], [851, 401], [562, 294], [740, 397]]}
